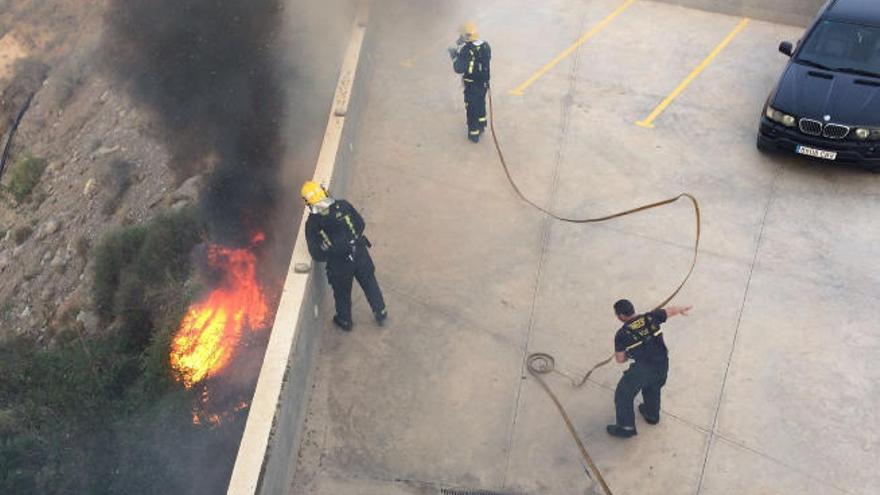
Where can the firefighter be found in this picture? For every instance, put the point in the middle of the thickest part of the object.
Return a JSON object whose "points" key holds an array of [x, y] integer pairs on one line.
{"points": [[335, 235], [640, 339], [471, 57]]}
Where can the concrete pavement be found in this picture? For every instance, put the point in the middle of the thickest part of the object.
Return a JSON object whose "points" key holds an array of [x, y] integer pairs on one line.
{"points": [[771, 389]]}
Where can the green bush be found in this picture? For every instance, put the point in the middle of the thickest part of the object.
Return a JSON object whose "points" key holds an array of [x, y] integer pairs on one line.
{"points": [[72, 420], [105, 415], [139, 273], [24, 176], [115, 252]]}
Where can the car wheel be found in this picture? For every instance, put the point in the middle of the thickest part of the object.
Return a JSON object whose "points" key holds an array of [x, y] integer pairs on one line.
{"points": [[763, 148]]}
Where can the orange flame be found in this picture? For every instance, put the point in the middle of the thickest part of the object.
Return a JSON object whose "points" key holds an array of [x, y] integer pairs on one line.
{"points": [[212, 328]]}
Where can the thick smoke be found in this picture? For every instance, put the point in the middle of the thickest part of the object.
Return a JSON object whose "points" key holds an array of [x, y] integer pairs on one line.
{"points": [[207, 70]]}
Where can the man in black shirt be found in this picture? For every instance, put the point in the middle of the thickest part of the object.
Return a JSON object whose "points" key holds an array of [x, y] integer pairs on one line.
{"points": [[640, 339], [471, 58], [335, 234]]}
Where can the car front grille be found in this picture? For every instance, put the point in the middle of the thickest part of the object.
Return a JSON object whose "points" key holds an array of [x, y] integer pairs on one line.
{"points": [[816, 128], [811, 127], [835, 131]]}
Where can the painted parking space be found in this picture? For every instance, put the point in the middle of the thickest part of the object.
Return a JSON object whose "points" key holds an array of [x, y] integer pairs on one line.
{"points": [[639, 45], [649, 120], [520, 89]]}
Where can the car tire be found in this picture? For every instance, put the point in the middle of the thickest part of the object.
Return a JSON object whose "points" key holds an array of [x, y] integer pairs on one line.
{"points": [[763, 148]]}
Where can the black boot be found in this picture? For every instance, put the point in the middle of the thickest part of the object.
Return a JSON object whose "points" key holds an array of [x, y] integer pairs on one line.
{"points": [[621, 431], [651, 420], [381, 316], [343, 324], [475, 138]]}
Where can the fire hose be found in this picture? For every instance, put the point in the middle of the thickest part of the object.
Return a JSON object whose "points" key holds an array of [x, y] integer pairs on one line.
{"points": [[540, 364]]}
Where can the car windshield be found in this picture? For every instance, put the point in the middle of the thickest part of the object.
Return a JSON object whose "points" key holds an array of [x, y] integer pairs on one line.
{"points": [[841, 45]]}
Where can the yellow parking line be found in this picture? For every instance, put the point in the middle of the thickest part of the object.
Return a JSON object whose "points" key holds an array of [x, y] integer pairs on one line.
{"points": [[649, 120], [519, 90]]}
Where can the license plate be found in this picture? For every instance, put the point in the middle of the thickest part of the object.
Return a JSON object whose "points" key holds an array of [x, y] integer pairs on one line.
{"points": [[825, 155]]}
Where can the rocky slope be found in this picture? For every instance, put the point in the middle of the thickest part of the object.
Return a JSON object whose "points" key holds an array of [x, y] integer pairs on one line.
{"points": [[102, 164]]}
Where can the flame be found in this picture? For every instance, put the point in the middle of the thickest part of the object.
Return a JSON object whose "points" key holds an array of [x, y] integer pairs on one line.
{"points": [[206, 414], [210, 332]]}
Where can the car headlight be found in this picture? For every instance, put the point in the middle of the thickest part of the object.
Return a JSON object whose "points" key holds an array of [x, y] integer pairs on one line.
{"points": [[867, 134], [780, 117]]}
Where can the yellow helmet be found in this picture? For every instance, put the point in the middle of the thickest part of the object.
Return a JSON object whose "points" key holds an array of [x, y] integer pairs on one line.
{"points": [[468, 31], [312, 193]]}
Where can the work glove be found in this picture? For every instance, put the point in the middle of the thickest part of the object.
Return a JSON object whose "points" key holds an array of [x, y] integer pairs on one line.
{"points": [[454, 49]]}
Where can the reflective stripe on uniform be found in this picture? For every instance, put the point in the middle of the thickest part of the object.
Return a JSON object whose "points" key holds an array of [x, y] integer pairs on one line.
{"points": [[482, 119], [631, 347], [474, 133], [348, 222], [326, 237]]}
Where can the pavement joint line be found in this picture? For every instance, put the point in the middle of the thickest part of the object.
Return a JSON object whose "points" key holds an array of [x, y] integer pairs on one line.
{"points": [[520, 90], [548, 223], [528, 337], [705, 430], [648, 122], [740, 445], [714, 430], [729, 440]]}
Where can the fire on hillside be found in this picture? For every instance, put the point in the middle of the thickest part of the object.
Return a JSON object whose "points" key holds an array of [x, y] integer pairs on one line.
{"points": [[213, 327]]}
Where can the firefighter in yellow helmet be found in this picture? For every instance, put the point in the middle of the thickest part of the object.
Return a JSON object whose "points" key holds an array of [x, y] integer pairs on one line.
{"points": [[335, 235], [471, 58]]}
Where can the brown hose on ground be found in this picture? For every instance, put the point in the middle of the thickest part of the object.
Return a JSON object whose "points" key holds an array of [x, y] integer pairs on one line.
{"points": [[541, 363]]}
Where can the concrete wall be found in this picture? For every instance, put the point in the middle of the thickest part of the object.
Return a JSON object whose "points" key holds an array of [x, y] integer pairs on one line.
{"points": [[268, 452], [794, 12]]}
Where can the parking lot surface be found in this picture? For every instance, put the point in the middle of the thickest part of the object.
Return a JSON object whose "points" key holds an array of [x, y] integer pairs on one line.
{"points": [[773, 383]]}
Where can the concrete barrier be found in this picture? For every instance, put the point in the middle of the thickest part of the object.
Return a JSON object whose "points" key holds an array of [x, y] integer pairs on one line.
{"points": [[793, 12], [267, 455]]}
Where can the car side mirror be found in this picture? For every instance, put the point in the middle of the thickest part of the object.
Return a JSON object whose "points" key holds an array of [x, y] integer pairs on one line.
{"points": [[786, 48]]}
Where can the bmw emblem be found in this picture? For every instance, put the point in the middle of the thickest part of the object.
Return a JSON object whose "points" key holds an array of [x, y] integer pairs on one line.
{"points": [[827, 118]]}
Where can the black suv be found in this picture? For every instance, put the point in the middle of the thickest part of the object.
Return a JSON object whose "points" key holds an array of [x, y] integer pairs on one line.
{"points": [[827, 102]]}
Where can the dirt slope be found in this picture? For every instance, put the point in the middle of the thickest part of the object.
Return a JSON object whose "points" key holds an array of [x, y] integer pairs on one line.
{"points": [[103, 166]]}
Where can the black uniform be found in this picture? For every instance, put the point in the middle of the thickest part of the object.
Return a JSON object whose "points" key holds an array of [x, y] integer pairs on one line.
{"points": [[338, 238], [642, 340], [472, 62]]}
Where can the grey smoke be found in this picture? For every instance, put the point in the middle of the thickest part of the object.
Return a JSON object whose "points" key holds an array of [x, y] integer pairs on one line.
{"points": [[207, 70]]}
